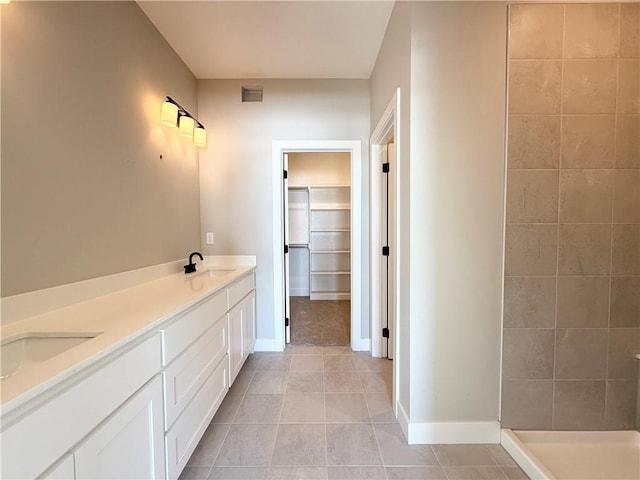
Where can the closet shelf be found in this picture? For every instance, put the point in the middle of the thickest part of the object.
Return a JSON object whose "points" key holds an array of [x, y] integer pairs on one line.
{"points": [[330, 251], [332, 273], [318, 295], [330, 229], [299, 245], [330, 206]]}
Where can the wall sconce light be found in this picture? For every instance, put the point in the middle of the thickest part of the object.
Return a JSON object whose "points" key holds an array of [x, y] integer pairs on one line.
{"points": [[169, 114], [200, 136], [185, 125], [175, 115]]}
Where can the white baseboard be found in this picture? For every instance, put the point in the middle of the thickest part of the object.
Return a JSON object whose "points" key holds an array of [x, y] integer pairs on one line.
{"points": [[447, 432], [453, 432], [361, 345], [403, 419], [265, 345]]}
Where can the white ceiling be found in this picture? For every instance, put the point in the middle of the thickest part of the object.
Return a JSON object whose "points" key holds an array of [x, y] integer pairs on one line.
{"points": [[273, 39]]}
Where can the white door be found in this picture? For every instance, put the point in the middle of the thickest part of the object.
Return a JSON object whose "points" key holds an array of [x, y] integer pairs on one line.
{"points": [[130, 443], [389, 237], [285, 213]]}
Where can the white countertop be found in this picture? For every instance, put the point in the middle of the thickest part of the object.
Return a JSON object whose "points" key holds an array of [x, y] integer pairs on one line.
{"points": [[121, 316]]}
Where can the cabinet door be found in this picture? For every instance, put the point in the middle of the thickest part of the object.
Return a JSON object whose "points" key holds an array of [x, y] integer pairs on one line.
{"points": [[249, 323], [236, 343], [62, 470], [130, 443]]}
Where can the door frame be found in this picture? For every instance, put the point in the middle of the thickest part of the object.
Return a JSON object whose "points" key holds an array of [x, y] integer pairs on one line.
{"points": [[388, 128], [354, 147]]}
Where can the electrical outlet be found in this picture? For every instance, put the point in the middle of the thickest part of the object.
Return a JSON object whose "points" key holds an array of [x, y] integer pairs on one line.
{"points": [[209, 238]]}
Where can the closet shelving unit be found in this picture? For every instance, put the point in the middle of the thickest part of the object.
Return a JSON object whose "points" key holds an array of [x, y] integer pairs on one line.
{"points": [[330, 242], [299, 240]]}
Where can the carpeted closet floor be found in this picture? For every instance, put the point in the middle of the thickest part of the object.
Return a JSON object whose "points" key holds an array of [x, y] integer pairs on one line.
{"points": [[320, 322]]}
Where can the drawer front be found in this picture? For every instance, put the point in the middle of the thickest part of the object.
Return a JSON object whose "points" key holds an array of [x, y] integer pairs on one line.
{"points": [[239, 289], [186, 374], [182, 332], [183, 437], [34, 443], [63, 470]]}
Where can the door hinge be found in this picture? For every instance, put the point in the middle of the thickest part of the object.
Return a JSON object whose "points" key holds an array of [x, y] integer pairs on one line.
{"points": [[385, 251], [385, 332], [385, 167], [286, 249], [285, 174], [286, 321]]}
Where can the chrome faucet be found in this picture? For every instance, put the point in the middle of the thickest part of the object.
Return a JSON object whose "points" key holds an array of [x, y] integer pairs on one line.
{"points": [[191, 267]]}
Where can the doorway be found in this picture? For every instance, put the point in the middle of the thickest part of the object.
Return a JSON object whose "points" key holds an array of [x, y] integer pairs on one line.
{"points": [[281, 242], [385, 249], [318, 220]]}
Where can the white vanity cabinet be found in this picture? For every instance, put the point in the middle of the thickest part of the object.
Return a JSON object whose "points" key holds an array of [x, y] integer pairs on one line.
{"points": [[140, 411], [203, 350], [38, 442]]}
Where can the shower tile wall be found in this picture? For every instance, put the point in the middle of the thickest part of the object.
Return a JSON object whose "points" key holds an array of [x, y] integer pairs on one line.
{"points": [[572, 268]]}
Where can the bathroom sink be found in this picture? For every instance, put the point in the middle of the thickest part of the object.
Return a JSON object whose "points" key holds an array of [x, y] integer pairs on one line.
{"points": [[33, 348]]}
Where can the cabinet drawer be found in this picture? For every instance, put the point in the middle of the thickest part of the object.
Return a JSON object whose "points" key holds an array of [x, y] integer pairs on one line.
{"points": [[186, 374], [240, 288], [35, 442], [182, 332], [183, 437]]}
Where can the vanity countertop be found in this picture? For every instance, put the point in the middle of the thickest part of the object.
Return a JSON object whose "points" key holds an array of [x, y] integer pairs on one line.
{"points": [[119, 318]]}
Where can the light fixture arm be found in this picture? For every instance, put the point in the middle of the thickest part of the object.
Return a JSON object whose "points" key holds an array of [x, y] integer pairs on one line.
{"points": [[183, 112]]}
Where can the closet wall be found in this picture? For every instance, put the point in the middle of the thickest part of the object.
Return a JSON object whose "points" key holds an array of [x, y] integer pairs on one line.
{"points": [[319, 225]]}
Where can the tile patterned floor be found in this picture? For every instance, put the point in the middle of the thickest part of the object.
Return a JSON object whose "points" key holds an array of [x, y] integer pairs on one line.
{"points": [[320, 322], [325, 413]]}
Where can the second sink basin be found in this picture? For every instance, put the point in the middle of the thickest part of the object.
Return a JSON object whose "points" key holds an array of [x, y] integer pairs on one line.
{"points": [[32, 348]]}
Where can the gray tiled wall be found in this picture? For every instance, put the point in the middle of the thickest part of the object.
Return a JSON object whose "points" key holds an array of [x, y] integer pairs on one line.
{"points": [[572, 268]]}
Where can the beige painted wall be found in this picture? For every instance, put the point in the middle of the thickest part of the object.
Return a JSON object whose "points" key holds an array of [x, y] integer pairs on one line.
{"points": [[458, 88], [319, 168], [449, 60], [84, 191], [236, 169]]}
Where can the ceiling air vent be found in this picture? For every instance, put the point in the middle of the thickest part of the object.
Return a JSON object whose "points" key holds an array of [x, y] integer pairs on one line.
{"points": [[251, 94]]}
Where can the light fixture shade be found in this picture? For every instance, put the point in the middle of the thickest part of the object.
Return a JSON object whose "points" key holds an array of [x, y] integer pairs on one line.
{"points": [[169, 114], [200, 137], [186, 124]]}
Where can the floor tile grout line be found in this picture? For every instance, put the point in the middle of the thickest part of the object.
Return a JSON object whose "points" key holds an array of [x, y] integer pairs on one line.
{"points": [[230, 426], [370, 422]]}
